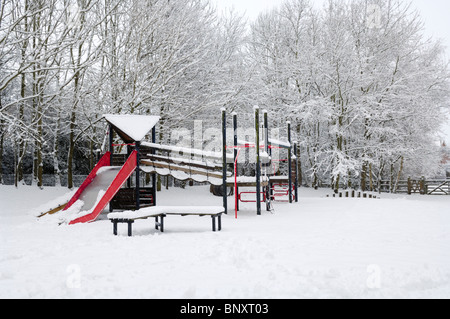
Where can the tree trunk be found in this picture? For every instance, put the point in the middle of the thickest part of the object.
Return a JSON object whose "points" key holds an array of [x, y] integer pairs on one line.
{"points": [[299, 166], [19, 167], [76, 58], [158, 184], [391, 184], [315, 183], [2, 135], [56, 168], [380, 175], [400, 171], [91, 155], [39, 157], [71, 150], [336, 185], [39, 169], [363, 176]]}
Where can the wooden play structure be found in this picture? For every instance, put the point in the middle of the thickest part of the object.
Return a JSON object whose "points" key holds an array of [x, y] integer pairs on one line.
{"points": [[118, 176]]}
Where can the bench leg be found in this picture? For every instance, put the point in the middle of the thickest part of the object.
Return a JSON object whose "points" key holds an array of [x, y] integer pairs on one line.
{"points": [[114, 227], [159, 225], [219, 217], [162, 223], [213, 223], [130, 230]]}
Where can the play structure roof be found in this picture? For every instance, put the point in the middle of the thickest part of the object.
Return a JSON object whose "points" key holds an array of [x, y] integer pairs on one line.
{"points": [[132, 128]]}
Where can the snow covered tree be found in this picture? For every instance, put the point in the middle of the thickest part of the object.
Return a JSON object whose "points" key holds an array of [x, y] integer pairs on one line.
{"points": [[359, 80], [65, 63], [366, 95]]}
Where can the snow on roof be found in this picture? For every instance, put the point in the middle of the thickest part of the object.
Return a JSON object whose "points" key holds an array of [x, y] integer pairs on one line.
{"points": [[135, 127]]}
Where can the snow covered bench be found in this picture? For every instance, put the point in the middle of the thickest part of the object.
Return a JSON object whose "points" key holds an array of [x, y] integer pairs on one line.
{"points": [[160, 212]]}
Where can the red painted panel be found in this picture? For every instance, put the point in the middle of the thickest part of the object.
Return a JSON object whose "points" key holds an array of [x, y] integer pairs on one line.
{"points": [[128, 168], [104, 161]]}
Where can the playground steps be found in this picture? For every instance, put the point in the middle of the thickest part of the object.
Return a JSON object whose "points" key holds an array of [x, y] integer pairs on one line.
{"points": [[125, 199], [118, 159]]}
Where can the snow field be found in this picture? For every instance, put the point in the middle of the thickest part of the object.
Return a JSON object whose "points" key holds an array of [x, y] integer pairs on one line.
{"points": [[394, 247]]}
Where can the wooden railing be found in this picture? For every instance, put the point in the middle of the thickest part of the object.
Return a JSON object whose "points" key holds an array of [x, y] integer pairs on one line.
{"points": [[416, 186]]}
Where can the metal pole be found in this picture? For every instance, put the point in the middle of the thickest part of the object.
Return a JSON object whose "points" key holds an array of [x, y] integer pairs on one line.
{"points": [[296, 171], [266, 131], [111, 139], [154, 174], [236, 167], [258, 163], [138, 175], [224, 159], [111, 149], [129, 150], [268, 164], [290, 161]]}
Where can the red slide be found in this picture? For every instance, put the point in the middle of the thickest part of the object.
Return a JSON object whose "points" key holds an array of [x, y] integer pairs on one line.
{"points": [[104, 161], [128, 168]]}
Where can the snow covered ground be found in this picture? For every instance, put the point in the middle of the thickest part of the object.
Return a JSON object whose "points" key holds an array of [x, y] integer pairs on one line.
{"points": [[394, 247]]}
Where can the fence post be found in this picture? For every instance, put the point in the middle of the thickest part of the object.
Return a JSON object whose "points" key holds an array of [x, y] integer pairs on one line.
{"points": [[409, 186], [422, 186]]}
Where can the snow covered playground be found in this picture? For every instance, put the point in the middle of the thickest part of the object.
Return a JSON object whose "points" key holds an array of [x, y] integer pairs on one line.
{"points": [[270, 239]]}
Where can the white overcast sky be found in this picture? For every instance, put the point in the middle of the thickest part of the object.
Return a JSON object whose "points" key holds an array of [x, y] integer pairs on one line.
{"points": [[435, 13]]}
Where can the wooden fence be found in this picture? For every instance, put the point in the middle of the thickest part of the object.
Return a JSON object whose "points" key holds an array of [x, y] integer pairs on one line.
{"points": [[416, 186]]}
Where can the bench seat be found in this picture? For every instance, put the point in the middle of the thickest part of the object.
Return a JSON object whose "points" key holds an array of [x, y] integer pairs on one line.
{"points": [[160, 212]]}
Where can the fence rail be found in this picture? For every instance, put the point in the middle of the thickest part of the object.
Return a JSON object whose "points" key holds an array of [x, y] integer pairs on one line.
{"points": [[416, 186]]}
